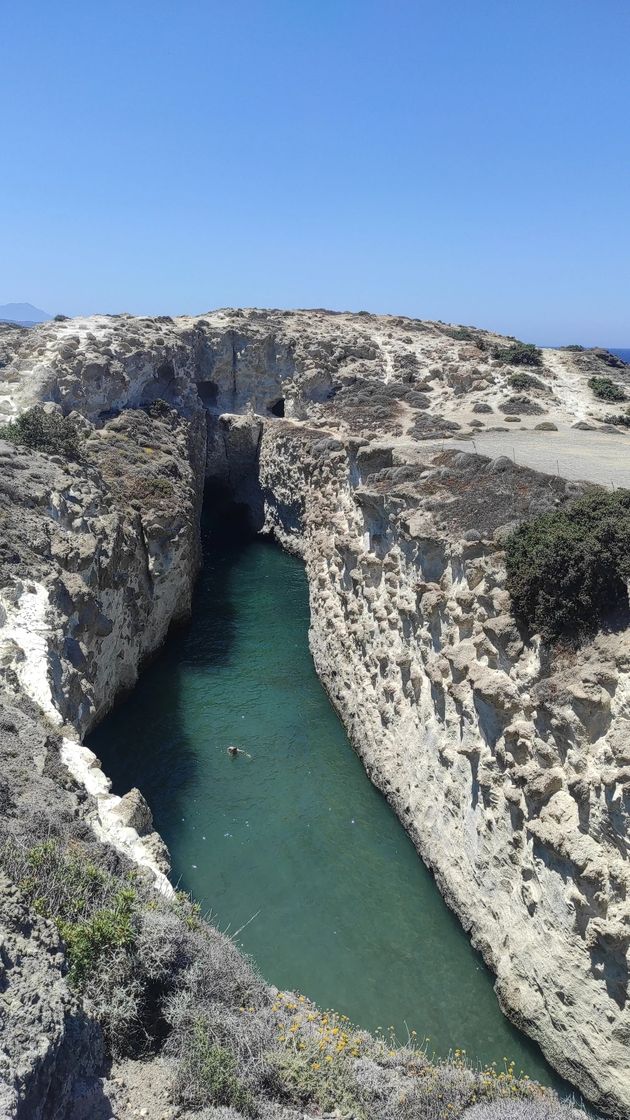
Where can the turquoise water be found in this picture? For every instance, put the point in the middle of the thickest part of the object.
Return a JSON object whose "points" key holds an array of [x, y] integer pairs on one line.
{"points": [[293, 850]]}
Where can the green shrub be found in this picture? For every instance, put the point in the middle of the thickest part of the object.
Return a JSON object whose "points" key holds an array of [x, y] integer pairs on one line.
{"points": [[606, 390], [567, 570], [460, 334], [58, 885], [464, 334], [519, 354], [42, 431], [524, 381], [94, 913], [208, 1074], [87, 940]]}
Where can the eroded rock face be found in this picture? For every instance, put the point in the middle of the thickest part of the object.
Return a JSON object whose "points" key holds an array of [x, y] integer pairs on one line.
{"points": [[508, 766], [97, 559], [510, 776]]}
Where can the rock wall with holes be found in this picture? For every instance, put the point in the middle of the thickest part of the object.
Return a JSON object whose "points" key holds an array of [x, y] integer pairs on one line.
{"points": [[511, 776], [108, 552]]}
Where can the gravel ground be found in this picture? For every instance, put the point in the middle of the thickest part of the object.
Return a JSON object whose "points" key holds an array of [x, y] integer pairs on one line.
{"points": [[592, 456]]}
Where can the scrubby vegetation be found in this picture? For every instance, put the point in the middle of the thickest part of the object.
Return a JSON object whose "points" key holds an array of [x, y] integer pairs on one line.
{"points": [[567, 570], [159, 978], [519, 354], [464, 334], [93, 913], [208, 1074], [524, 381], [620, 419], [606, 390], [44, 431]]}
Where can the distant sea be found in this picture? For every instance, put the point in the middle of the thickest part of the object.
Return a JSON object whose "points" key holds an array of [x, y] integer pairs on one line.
{"points": [[623, 354]]}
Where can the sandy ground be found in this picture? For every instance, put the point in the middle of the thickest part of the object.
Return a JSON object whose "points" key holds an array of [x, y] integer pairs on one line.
{"points": [[592, 456]]}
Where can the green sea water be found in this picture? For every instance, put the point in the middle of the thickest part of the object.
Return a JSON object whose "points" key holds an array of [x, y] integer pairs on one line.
{"points": [[293, 851]]}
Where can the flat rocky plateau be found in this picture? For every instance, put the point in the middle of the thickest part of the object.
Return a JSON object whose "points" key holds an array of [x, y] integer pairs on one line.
{"points": [[358, 442]]}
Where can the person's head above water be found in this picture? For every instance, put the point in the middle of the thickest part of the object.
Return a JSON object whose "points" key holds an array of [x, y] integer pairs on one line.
{"points": [[234, 751]]}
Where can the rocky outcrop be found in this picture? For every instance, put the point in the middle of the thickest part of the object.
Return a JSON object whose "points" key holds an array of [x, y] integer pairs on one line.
{"points": [[506, 762]]}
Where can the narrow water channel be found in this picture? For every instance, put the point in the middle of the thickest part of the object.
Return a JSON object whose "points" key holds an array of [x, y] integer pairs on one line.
{"points": [[293, 849]]}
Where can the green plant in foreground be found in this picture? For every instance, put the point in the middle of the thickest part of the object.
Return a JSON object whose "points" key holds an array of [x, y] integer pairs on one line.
{"points": [[95, 913], [307, 1077], [606, 390], [314, 1064], [567, 570], [103, 932]]}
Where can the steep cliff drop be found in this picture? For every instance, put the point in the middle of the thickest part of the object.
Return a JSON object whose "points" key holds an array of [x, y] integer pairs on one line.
{"points": [[505, 760]]}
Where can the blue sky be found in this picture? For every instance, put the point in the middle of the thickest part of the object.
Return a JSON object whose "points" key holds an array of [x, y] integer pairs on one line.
{"points": [[467, 160]]}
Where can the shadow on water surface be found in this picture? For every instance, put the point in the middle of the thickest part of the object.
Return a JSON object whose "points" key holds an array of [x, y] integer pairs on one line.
{"points": [[296, 838], [144, 741]]}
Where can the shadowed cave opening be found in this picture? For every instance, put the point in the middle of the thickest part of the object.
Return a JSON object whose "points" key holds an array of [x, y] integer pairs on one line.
{"points": [[209, 393], [277, 408]]}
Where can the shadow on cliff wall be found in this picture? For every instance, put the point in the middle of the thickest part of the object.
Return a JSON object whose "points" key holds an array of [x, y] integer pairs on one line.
{"points": [[144, 741]]}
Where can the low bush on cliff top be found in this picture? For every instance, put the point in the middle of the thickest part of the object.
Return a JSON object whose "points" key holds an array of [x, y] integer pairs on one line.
{"points": [[208, 1074], [567, 570], [519, 354], [42, 431], [606, 390]]}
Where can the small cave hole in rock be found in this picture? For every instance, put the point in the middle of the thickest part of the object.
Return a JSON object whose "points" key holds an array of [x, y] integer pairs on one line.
{"points": [[277, 408], [209, 393]]}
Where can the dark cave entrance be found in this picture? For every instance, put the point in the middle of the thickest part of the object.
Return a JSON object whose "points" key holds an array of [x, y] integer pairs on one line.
{"points": [[209, 393], [277, 408], [224, 516]]}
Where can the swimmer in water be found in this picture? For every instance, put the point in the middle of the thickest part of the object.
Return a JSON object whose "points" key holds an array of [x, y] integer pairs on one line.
{"points": [[235, 751]]}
